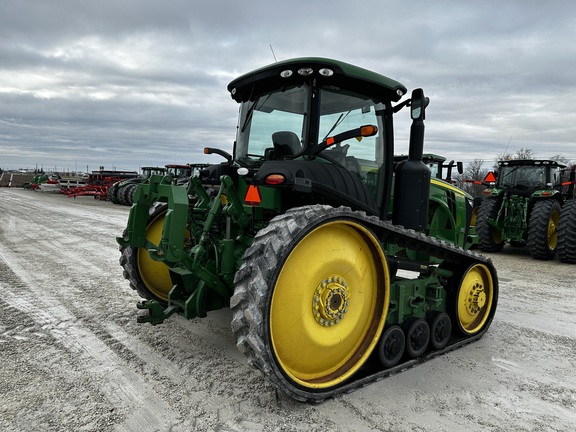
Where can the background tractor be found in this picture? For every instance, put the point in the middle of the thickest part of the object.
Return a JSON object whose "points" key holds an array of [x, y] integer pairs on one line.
{"points": [[530, 205], [122, 191], [331, 284], [438, 167], [451, 211]]}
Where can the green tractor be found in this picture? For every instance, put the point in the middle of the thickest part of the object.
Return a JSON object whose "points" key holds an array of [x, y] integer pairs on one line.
{"points": [[122, 191], [451, 215], [530, 205], [438, 167], [38, 179], [330, 286], [181, 173]]}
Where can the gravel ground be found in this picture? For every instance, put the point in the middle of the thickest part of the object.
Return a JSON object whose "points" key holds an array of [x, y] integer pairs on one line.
{"points": [[73, 358]]}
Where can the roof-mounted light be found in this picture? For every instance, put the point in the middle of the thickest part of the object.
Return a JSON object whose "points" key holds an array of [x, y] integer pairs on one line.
{"points": [[305, 71], [233, 91], [399, 92], [326, 72], [286, 73]]}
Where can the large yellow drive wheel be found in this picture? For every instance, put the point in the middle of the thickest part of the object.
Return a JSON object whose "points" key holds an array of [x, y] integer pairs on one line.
{"points": [[154, 274], [150, 278], [324, 304], [489, 237], [475, 299], [543, 229]]}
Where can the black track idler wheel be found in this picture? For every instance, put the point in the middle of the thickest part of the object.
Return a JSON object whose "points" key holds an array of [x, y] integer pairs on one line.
{"points": [[440, 330], [417, 337], [391, 346]]}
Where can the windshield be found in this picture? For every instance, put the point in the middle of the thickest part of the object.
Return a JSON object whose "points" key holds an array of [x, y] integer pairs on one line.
{"points": [[529, 177], [434, 172], [343, 111], [277, 126], [282, 111]]}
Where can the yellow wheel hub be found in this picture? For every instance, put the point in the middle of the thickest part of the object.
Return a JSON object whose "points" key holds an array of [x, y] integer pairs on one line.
{"points": [[329, 304], [475, 299], [330, 301]]}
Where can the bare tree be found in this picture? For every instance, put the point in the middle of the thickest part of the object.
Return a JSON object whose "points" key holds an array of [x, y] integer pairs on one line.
{"points": [[520, 154], [474, 172], [560, 159]]}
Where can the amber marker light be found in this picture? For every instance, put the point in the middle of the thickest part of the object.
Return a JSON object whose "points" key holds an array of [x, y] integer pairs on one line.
{"points": [[368, 130], [275, 179]]}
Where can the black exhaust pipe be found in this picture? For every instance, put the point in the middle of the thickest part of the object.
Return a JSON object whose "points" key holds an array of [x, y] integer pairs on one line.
{"points": [[412, 176]]}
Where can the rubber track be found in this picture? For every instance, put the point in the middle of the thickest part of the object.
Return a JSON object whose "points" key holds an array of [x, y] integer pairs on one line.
{"points": [[251, 291]]}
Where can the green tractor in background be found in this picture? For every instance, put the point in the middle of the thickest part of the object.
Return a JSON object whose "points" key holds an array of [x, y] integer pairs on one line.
{"points": [[530, 205], [439, 169], [451, 211], [38, 179], [331, 284], [122, 192]]}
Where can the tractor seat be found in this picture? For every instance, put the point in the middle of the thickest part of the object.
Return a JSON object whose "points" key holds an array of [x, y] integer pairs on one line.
{"points": [[286, 143]]}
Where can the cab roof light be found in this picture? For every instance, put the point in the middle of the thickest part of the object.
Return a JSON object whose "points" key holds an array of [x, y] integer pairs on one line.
{"points": [[286, 73], [305, 71]]}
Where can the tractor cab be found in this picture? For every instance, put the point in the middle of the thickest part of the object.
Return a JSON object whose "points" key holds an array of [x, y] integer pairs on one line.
{"points": [[335, 145], [527, 176], [149, 171], [438, 166]]}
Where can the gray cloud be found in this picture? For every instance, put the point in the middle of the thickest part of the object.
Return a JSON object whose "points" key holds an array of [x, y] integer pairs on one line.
{"points": [[126, 83]]}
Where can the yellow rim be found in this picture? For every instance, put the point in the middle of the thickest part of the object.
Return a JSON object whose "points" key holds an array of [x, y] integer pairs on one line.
{"points": [[496, 236], [474, 216], [475, 298], [154, 274], [329, 304], [553, 230]]}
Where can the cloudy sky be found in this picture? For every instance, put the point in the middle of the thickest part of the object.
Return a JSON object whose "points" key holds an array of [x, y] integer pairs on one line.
{"points": [[128, 83]]}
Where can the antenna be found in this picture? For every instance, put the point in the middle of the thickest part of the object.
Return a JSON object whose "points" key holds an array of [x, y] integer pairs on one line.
{"points": [[504, 155], [272, 49]]}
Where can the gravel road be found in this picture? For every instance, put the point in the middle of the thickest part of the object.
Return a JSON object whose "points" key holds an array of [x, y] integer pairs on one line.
{"points": [[72, 357]]}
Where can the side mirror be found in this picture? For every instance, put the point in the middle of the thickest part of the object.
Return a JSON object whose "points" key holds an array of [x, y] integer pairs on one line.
{"points": [[460, 167], [418, 104]]}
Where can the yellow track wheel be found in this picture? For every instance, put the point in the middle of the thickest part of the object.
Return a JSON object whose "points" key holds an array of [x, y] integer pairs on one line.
{"points": [[329, 304], [475, 298], [154, 274]]}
